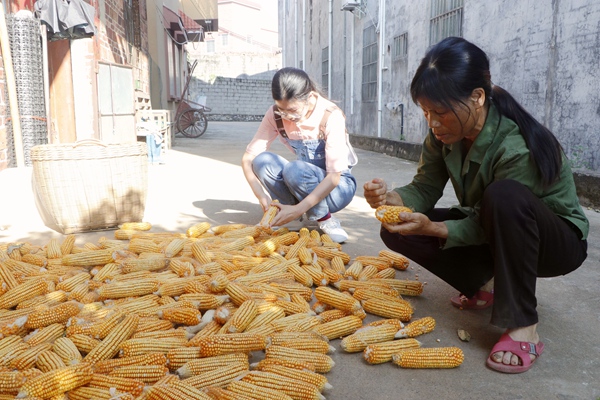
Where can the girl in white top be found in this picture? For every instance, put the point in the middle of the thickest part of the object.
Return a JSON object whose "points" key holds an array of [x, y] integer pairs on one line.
{"points": [[319, 182]]}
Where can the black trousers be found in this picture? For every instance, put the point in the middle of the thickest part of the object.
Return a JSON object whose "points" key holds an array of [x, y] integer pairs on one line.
{"points": [[525, 240]]}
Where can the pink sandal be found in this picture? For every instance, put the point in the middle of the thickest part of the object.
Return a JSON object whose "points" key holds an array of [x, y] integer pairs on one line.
{"points": [[470, 303], [520, 349]]}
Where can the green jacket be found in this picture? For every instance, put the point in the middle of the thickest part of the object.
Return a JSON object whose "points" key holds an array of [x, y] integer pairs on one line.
{"points": [[499, 152]]}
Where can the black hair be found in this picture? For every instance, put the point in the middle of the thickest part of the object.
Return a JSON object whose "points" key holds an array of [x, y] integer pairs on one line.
{"points": [[449, 73], [291, 83]]}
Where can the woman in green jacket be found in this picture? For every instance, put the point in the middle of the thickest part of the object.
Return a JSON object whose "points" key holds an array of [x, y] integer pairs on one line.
{"points": [[518, 216]]}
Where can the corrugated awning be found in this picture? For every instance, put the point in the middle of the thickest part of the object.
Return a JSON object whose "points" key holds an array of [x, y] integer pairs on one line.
{"points": [[182, 28]]}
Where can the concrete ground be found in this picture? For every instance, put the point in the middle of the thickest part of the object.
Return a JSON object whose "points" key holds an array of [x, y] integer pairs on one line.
{"points": [[202, 181]]}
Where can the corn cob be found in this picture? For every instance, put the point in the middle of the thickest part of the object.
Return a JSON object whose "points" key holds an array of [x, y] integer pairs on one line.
{"points": [[211, 328], [53, 248], [144, 373], [238, 244], [375, 291], [88, 258], [329, 253], [396, 323], [398, 309], [223, 313], [35, 259], [185, 316], [268, 215], [174, 247], [331, 275], [332, 314], [11, 381], [106, 272], [220, 376], [182, 268], [178, 333], [52, 315], [276, 361], [84, 343], [67, 351], [294, 388], [136, 226], [398, 260], [200, 253], [204, 301], [353, 270], [219, 283], [154, 263], [352, 285], [67, 244], [316, 345], [106, 366], [293, 287], [279, 272], [253, 231], [367, 335], [175, 391], [198, 229], [143, 246], [367, 273], [390, 214], [109, 347], [218, 344], [49, 360], [237, 293], [7, 277], [303, 325], [199, 365], [404, 287], [416, 328], [21, 292], [386, 273], [339, 327], [216, 393], [378, 262], [322, 362], [378, 353], [312, 378], [265, 248], [153, 324], [265, 318], [295, 248], [86, 393], [337, 299], [133, 386], [128, 289], [256, 392], [56, 382], [27, 358], [437, 357], [242, 317], [136, 347]]}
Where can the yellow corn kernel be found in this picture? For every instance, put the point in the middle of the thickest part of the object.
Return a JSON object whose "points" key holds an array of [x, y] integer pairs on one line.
{"points": [[297, 389], [198, 229], [354, 270], [293, 287], [340, 327], [84, 343], [268, 216], [390, 214], [398, 260], [396, 323], [176, 390], [144, 373], [136, 347], [316, 345], [88, 258], [53, 248], [154, 263], [329, 253], [337, 299], [67, 244], [56, 382], [185, 316], [367, 273], [367, 335], [378, 353], [26, 359], [106, 366], [322, 362], [174, 247], [109, 347], [199, 365], [293, 364], [256, 392], [24, 291], [398, 309], [35, 259], [404, 287], [48, 361], [143, 246], [375, 291], [122, 384], [227, 343], [265, 318], [313, 378], [220, 376], [252, 231], [128, 289], [436, 357], [86, 393], [136, 226], [67, 351], [11, 381], [52, 315], [241, 318], [416, 328], [216, 393]]}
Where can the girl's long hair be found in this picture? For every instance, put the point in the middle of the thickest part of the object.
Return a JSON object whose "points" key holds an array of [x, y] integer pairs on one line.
{"points": [[449, 73], [292, 84]]}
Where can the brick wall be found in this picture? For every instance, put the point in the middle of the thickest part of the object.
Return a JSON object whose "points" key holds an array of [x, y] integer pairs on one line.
{"points": [[234, 99]]}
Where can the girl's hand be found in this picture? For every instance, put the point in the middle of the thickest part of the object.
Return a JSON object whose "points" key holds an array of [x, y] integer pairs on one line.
{"points": [[286, 214], [265, 202]]}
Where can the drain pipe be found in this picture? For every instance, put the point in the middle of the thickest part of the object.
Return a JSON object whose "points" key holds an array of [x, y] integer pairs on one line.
{"points": [[295, 33], [284, 36], [381, 65], [304, 35], [329, 50]]}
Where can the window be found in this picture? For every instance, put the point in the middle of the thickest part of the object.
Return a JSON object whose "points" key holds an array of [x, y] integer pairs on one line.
{"points": [[325, 69], [174, 69], [131, 11], [400, 51], [369, 64], [210, 46], [446, 19], [225, 39]]}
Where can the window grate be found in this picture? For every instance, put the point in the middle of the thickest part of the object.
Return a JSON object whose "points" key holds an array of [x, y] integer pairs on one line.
{"points": [[446, 19], [325, 69], [369, 64], [400, 46]]}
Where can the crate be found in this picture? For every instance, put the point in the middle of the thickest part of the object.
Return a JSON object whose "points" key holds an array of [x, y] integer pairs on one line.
{"points": [[89, 185]]}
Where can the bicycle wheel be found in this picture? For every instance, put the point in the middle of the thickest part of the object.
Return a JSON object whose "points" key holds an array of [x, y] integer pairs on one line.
{"points": [[192, 123]]}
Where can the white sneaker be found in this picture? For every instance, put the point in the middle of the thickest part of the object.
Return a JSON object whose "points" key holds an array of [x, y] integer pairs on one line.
{"points": [[333, 228]]}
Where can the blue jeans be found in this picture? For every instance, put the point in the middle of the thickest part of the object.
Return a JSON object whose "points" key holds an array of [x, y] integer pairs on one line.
{"points": [[154, 155], [291, 181]]}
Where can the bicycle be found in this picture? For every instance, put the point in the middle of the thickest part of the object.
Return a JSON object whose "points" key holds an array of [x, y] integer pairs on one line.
{"points": [[190, 117]]}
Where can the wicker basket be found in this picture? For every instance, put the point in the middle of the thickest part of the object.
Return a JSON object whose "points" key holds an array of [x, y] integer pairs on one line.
{"points": [[89, 185]]}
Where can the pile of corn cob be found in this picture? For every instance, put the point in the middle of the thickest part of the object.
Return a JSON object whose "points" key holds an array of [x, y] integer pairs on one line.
{"points": [[163, 315]]}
